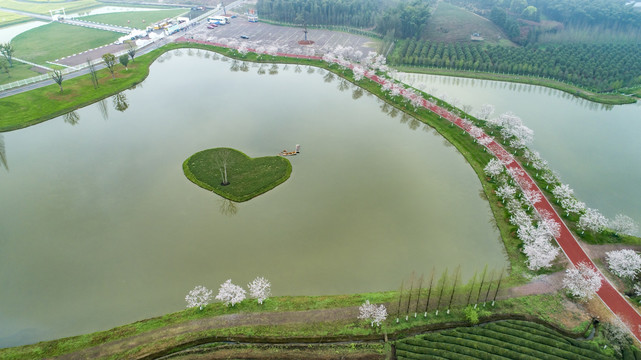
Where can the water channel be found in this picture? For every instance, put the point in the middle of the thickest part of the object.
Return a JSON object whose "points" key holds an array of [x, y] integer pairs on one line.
{"points": [[594, 147], [99, 226]]}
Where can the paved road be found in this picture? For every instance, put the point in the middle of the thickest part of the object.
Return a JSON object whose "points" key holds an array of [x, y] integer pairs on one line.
{"points": [[26, 13], [93, 25]]}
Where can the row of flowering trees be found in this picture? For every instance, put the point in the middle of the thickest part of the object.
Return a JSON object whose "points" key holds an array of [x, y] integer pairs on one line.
{"points": [[229, 293]]}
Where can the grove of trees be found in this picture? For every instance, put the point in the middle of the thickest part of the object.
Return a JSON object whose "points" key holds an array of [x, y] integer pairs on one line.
{"points": [[396, 18], [600, 67]]}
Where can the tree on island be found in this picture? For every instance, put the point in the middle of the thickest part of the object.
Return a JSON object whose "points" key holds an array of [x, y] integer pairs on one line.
{"points": [[222, 160], [56, 75], [110, 62]]}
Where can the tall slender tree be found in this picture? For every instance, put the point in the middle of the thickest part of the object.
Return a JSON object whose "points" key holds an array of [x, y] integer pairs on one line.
{"points": [[489, 286], [418, 294], [457, 275], [94, 76], [409, 298], [498, 286], [478, 295], [429, 293], [110, 62], [440, 293], [469, 295], [398, 308]]}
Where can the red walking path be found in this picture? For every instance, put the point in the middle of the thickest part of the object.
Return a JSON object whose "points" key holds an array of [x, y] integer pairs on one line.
{"points": [[568, 243]]}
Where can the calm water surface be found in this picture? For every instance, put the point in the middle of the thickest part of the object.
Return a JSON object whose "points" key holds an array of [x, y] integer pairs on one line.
{"points": [[594, 147], [99, 226]]}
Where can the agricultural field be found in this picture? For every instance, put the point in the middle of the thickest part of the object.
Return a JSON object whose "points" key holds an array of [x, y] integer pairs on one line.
{"points": [[8, 18], [135, 19], [53, 41], [451, 23], [510, 339], [43, 7]]}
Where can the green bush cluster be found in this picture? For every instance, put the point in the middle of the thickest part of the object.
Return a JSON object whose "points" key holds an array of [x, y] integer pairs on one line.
{"points": [[511, 339]]}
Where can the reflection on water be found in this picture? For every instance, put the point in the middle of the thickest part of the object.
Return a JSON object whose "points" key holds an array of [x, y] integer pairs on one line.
{"points": [[120, 102], [357, 93], [71, 118], [228, 207], [102, 105], [3, 154], [273, 70]]}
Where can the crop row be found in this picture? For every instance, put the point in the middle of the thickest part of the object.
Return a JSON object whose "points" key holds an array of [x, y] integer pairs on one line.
{"points": [[501, 340]]}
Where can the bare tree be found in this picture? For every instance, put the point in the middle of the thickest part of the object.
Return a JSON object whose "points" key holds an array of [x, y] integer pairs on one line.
{"points": [[457, 275], [56, 75], [131, 51], [440, 293], [94, 76], [222, 160], [429, 294]]}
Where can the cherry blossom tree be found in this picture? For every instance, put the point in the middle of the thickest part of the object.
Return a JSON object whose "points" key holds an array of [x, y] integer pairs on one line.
{"points": [[592, 220], [625, 263], [540, 253], [563, 191], [572, 206], [493, 168], [582, 281], [199, 296], [506, 192], [375, 314], [624, 225], [485, 111], [260, 289], [230, 293]]}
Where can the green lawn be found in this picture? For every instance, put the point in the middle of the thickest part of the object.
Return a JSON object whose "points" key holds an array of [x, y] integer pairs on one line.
{"points": [[19, 71], [55, 40], [451, 23], [9, 18], [43, 6], [135, 19], [247, 177]]}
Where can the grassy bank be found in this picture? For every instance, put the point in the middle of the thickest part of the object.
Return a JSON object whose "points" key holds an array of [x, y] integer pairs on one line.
{"points": [[610, 99], [246, 177], [43, 6], [168, 332]]}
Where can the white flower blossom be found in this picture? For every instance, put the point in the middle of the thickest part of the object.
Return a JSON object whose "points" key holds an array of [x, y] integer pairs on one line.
{"points": [[230, 294], [199, 296]]}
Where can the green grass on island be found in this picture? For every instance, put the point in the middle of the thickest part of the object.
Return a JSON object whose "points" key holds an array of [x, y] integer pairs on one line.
{"points": [[247, 177]]}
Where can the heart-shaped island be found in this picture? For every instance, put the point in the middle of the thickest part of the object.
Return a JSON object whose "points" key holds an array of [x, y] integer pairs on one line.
{"points": [[234, 175]]}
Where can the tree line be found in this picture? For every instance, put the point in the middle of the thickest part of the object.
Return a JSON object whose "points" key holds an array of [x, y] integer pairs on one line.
{"points": [[601, 67], [397, 18]]}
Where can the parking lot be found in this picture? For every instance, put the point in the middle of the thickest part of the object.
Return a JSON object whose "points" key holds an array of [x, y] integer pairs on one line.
{"points": [[285, 39]]}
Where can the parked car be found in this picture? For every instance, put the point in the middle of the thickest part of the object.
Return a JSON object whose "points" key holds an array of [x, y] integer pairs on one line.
{"points": [[244, 37], [211, 26]]}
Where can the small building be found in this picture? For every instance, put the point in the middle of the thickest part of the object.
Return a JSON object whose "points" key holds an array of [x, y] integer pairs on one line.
{"points": [[476, 37]]}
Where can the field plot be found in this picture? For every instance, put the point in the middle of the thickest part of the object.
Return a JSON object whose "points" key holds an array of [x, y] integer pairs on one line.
{"points": [[511, 339], [7, 18], [451, 23], [43, 6], [134, 19], [52, 41], [265, 34]]}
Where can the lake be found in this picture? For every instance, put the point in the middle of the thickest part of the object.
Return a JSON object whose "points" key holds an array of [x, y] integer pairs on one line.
{"points": [[100, 227]]}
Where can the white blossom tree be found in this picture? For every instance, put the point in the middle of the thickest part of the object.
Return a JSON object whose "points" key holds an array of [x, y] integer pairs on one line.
{"points": [[592, 220], [506, 192], [582, 281], [624, 225], [563, 191], [259, 289], [485, 111], [573, 206], [199, 296], [375, 314], [625, 263], [493, 168], [230, 294], [540, 253]]}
